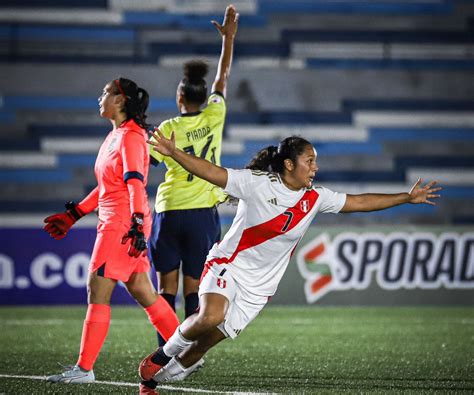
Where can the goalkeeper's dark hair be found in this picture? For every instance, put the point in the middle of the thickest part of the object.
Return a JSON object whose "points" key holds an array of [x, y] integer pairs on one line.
{"points": [[136, 100], [193, 85], [272, 158]]}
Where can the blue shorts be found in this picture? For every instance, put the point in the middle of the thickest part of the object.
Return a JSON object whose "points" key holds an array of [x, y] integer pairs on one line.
{"points": [[183, 236]]}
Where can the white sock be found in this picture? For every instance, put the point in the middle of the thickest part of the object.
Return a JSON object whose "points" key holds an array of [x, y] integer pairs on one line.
{"points": [[176, 344], [174, 367]]}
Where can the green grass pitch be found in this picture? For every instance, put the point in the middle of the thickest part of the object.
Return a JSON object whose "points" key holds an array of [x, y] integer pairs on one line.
{"points": [[285, 350]]}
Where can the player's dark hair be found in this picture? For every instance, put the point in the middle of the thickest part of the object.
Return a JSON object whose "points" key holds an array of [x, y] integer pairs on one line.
{"points": [[136, 100], [272, 158], [193, 84]]}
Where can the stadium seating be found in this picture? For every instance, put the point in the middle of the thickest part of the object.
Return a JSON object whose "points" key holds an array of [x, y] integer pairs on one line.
{"points": [[382, 88]]}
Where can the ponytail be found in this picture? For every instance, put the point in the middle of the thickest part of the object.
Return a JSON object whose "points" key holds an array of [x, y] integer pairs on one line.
{"points": [[272, 159], [266, 160], [143, 100], [136, 100]]}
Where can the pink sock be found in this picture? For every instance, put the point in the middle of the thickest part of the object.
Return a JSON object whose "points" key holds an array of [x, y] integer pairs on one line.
{"points": [[94, 332], [163, 318]]}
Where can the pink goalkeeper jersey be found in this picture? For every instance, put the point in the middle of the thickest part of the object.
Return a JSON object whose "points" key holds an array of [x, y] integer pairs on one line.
{"points": [[123, 155], [269, 222]]}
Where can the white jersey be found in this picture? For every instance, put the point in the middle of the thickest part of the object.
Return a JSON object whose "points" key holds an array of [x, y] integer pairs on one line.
{"points": [[270, 221]]}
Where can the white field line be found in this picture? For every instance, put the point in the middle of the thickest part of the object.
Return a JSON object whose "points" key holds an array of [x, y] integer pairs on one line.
{"points": [[54, 321], [299, 321], [122, 384]]}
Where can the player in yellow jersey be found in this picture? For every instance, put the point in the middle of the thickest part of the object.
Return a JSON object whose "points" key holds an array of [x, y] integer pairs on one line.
{"points": [[185, 222]]}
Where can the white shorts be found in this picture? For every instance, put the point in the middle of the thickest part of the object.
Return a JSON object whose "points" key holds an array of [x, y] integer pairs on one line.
{"points": [[243, 306]]}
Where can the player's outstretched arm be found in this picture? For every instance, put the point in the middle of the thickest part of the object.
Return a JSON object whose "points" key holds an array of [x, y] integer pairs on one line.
{"points": [[200, 167], [377, 201], [228, 29]]}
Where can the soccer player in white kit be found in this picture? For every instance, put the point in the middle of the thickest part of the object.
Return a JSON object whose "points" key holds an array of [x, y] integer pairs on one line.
{"points": [[277, 205]]}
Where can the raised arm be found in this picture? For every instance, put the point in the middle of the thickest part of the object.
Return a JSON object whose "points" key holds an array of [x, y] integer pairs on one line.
{"points": [[227, 30], [200, 167], [378, 201]]}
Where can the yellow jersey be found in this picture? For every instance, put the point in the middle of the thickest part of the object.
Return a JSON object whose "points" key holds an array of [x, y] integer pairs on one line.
{"points": [[197, 134]]}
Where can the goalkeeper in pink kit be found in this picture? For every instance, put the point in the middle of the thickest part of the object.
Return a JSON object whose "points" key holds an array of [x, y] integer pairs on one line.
{"points": [[120, 250]]}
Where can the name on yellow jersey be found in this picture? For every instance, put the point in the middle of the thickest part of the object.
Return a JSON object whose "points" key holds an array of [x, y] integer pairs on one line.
{"points": [[198, 134]]}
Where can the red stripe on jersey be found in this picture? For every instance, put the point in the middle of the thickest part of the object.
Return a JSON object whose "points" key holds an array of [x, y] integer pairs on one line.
{"points": [[277, 226]]}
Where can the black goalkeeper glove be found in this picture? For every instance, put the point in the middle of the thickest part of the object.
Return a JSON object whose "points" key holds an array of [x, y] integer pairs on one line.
{"points": [[137, 237]]}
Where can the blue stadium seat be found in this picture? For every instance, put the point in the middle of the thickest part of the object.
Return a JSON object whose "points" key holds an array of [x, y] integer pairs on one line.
{"points": [[77, 160], [392, 64], [74, 33], [385, 36], [54, 3], [67, 130], [240, 49], [428, 134], [35, 176], [185, 21], [355, 7], [408, 104], [14, 103]]}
